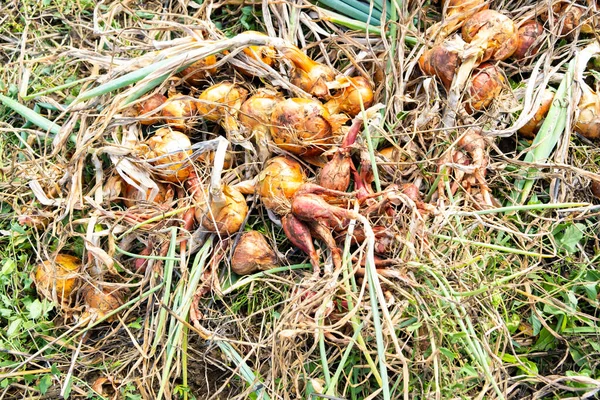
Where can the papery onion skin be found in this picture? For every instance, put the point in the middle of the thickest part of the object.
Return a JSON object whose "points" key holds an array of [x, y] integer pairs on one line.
{"points": [[102, 302], [197, 73], [357, 96], [278, 182], [133, 196], [252, 254], [255, 116], [301, 126], [588, 119], [440, 61], [265, 54], [486, 84], [309, 75], [527, 35], [457, 11], [226, 218], [220, 100], [61, 274], [497, 33], [569, 15], [595, 188], [149, 105], [176, 148], [529, 130], [178, 112]]}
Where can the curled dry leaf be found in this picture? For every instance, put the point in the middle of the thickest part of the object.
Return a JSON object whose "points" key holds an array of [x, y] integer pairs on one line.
{"points": [[252, 254], [60, 276]]}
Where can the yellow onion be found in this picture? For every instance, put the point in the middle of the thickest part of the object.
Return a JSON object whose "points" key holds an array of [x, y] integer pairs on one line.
{"points": [[494, 32], [174, 148], [457, 11], [485, 85], [354, 97], [278, 182], [301, 126], [441, 61], [252, 254], [134, 196], [255, 116], [265, 54], [178, 111], [309, 75], [60, 275], [196, 73], [588, 119], [569, 15], [221, 103], [533, 126], [527, 35], [209, 159], [149, 105], [100, 302], [224, 217]]}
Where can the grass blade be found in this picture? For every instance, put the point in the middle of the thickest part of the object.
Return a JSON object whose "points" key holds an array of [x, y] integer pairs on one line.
{"points": [[30, 115]]}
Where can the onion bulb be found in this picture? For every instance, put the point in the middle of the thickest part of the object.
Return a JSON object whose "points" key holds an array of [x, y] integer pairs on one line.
{"points": [[533, 126], [208, 158], [309, 75], [588, 118], [100, 302], [173, 148], [302, 126], [60, 275], [278, 182], [224, 217], [221, 103], [485, 85], [458, 11], [200, 70], [149, 105], [595, 187], [494, 32], [568, 15], [252, 254], [528, 35], [441, 61], [134, 196], [178, 111], [265, 54], [356, 95], [255, 116]]}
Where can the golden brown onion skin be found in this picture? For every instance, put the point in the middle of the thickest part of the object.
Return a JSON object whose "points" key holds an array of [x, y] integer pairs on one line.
{"points": [[178, 112], [176, 147], [278, 182], [527, 35], [62, 275], [588, 120], [495, 32], [255, 116], [529, 130], [595, 187], [102, 301], [252, 254], [301, 126], [568, 15], [149, 105], [226, 218], [309, 75], [349, 99], [486, 84], [265, 54], [220, 100], [440, 61], [196, 73], [133, 196], [458, 11]]}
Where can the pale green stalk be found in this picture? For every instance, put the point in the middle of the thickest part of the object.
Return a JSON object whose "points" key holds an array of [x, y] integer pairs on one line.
{"points": [[493, 246], [30, 115]]}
